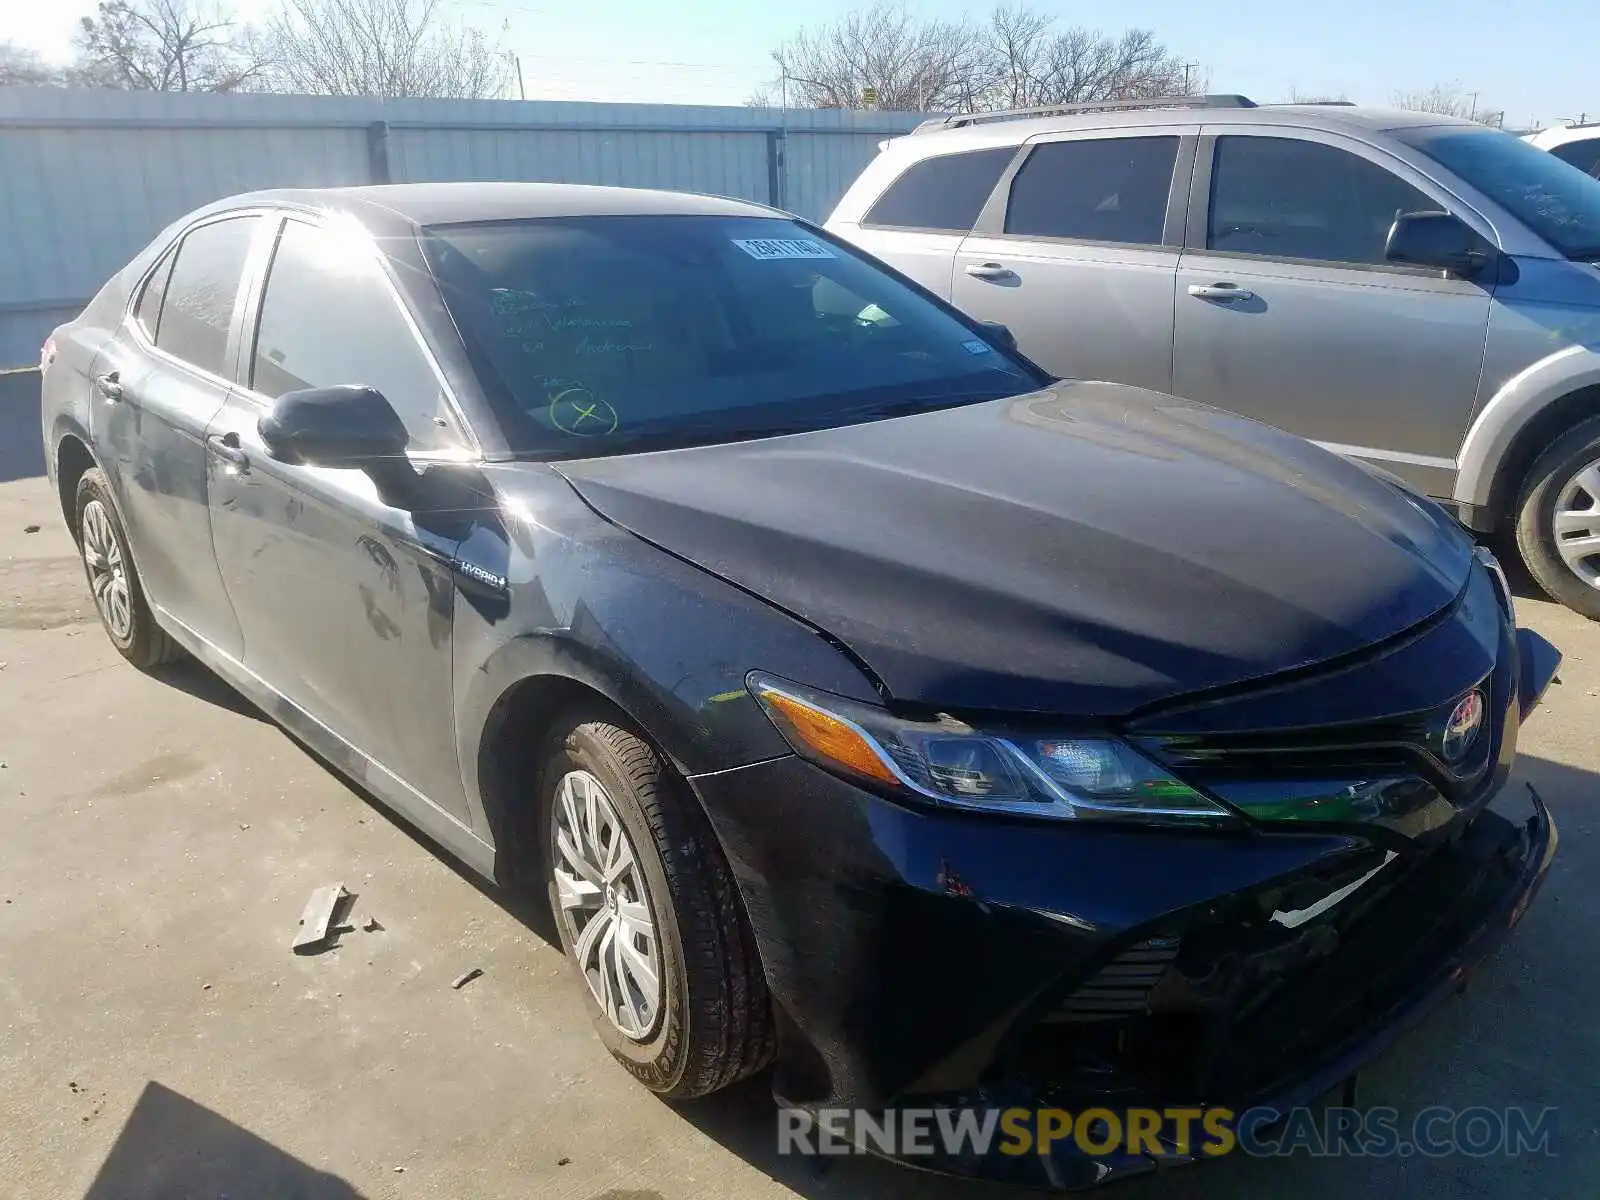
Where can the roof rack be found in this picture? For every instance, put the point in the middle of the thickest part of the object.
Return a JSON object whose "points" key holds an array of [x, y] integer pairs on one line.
{"points": [[960, 120]]}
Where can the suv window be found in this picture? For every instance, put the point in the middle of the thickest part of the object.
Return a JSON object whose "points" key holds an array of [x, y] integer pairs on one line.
{"points": [[328, 317], [203, 284], [1585, 155], [1297, 199], [1098, 189], [155, 287], [945, 193]]}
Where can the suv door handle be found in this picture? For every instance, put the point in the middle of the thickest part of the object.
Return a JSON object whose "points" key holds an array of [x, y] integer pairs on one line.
{"points": [[109, 386], [988, 270], [1220, 291], [226, 447]]}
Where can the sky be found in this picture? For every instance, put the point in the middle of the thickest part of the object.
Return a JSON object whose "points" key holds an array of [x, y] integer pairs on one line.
{"points": [[1533, 60]]}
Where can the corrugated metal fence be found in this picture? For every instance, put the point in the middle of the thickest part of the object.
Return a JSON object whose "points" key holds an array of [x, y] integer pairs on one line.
{"points": [[88, 177]]}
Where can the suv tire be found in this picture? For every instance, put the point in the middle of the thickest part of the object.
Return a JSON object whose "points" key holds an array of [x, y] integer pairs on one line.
{"points": [[656, 877], [1564, 479]]}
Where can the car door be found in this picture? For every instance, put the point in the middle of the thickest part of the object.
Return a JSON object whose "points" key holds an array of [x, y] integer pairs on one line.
{"points": [[157, 386], [1077, 252], [1288, 312], [343, 591]]}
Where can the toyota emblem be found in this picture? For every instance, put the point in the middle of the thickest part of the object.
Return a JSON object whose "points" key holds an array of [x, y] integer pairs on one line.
{"points": [[1461, 729]]}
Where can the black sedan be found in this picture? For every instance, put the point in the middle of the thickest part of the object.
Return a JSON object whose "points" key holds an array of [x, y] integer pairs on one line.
{"points": [[866, 701]]}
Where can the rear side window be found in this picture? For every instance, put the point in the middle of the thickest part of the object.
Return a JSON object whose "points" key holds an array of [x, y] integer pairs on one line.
{"points": [[1584, 155], [1296, 199], [155, 287], [328, 318], [202, 286], [1099, 189], [943, 193]]}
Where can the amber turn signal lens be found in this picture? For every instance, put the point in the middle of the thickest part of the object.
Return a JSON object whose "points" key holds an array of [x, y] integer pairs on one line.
{"points": [[829, 736]]}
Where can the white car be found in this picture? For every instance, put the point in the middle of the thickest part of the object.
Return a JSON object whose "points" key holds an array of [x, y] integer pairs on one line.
{"points": [[1576, 144]]}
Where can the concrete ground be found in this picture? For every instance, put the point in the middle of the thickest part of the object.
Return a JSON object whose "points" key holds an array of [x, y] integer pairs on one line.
{"points": [[159, 1040]]}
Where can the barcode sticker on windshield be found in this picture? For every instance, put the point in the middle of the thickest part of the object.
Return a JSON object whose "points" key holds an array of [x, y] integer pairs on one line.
{"points": [[782, 248]]}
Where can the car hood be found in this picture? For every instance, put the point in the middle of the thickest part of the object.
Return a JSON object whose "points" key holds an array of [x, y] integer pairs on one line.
{"points": [[1088, 549]]}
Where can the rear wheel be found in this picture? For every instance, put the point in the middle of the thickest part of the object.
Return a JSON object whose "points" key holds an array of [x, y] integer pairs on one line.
{"points": [[649, 915], [118, 596]]}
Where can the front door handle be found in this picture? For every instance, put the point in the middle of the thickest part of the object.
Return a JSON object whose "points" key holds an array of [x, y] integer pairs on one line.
{"points": [[109, 385], [989, 270], [226, 447], [1220, 291]]}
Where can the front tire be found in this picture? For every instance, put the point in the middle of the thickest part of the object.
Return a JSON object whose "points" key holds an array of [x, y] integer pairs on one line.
{"points": [[114, 583], [649, 914], [1558, 519]]}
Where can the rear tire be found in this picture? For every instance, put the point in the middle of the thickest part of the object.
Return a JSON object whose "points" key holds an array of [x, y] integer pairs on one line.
{"points": [[708, 1022], [113, 582]]}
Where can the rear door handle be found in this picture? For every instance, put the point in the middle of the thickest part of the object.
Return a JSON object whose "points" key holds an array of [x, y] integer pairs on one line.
{"points": [[109, 385], [226, 447], [1220, 291], [987, 270]]}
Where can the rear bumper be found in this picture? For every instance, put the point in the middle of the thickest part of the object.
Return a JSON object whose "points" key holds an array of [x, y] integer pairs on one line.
{"points": [[917, 958]]}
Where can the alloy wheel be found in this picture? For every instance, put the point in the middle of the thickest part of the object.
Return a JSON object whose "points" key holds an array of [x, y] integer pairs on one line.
{"points": [[108, 578], [604, 904], [1575, 524]]}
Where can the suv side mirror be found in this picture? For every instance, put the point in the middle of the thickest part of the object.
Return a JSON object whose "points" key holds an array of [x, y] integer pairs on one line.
{"points": [[1000, 333], [1435, 239], [333, 427]]}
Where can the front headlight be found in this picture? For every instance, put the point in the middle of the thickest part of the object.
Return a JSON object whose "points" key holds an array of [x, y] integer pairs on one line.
{"points": [[1067, 777]]}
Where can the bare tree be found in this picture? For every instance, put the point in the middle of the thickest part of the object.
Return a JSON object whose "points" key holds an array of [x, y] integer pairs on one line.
{"points": [[1296, 96], [163, 46], [884, 56], [20, 67], [381, 48], [1449, 100]]}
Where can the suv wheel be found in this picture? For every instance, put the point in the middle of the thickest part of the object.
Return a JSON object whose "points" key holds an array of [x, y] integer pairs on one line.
{"points": [[1558, 519], [118, 595], [649, 915]]}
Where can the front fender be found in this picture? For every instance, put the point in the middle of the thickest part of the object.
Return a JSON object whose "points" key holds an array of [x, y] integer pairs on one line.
{"points": [[1522, 398]]}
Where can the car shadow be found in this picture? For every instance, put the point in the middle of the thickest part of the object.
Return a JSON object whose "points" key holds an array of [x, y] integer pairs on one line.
{"points": [[191, 676], [172, 1147]]}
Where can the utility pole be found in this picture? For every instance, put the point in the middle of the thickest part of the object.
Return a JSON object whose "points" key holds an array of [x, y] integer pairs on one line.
{"points": [[1187, 87], [521, 91]]}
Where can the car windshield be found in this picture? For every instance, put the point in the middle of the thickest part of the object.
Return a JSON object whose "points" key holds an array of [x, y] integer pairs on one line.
{"points": [[1553, 198], [601, 335]]}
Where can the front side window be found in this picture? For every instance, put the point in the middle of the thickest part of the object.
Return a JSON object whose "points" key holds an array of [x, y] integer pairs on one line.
{"points": [[943, 193], [1097, 189], [1553, 198], [600, 335], [328, 318], [198, 305], [1290, 198]]}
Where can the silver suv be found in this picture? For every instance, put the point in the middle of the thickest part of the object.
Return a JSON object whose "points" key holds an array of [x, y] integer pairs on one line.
{"points": [[1411, 290]]}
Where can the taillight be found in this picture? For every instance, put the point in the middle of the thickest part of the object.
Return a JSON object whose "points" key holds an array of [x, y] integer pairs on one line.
{"points": [[47, 353]]}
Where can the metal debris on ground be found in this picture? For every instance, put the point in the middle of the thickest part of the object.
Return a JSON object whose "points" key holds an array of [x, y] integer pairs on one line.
{"points": [[318, 925], [371, 925], [466, 977], [30, 529]]}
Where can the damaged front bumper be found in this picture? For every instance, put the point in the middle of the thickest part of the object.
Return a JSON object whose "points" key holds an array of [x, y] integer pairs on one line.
{"points": [[926, 959]]}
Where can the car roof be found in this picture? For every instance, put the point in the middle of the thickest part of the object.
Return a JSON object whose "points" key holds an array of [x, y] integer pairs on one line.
{"points": [[457, 203], [1332, 117], [1548, 139]]}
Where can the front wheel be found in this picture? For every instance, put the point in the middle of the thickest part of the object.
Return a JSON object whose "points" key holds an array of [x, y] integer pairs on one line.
{"points": [[1558, 519], [649, 915]]}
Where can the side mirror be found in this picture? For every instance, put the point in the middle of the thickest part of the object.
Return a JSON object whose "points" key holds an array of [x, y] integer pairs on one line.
{"points": [[1435, 239], [333, 427], [1000, 333]]}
